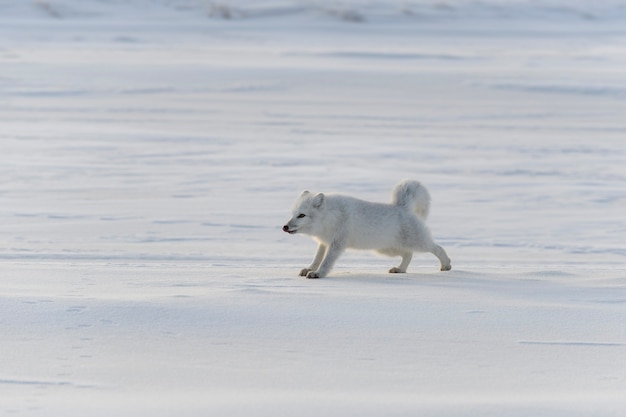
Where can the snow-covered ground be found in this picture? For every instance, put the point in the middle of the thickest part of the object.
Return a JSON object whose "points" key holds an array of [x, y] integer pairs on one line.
{"points": [[151, 151]]}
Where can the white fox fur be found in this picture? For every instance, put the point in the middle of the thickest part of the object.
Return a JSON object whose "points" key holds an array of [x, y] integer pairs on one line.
{"points": [[339, 222]]}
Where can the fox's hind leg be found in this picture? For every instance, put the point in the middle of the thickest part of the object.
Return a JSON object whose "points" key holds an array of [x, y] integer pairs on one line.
{"points": [[443, 257], [406, 260]]}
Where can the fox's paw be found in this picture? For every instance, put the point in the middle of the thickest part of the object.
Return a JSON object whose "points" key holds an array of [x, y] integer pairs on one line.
{"points": [[446, 267], [304, 272], [396, 270], [312, 274]]}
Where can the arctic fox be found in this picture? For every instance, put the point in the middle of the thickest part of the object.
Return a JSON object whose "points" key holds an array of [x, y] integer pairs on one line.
{"points": [[339, 222]]}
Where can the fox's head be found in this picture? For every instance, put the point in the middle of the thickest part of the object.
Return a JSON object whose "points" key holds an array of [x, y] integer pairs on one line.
{"points": [[305, 210]]}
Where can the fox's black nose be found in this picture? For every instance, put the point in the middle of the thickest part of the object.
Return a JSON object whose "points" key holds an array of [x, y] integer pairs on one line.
{"points": [[285, 228]]}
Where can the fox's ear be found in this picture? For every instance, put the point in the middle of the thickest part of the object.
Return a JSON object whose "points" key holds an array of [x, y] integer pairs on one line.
{"points": [[318, 200], [306, 192]]}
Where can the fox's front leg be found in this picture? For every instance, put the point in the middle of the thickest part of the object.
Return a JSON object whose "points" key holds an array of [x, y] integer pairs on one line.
{"points": [[319, 255], [334, 250]]}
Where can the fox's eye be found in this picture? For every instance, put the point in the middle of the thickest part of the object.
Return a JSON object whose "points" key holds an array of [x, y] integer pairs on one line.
{"points": [[301, 215]]}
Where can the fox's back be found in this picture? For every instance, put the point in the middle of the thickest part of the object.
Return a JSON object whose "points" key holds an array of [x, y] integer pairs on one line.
{"points": [[368, 225]]}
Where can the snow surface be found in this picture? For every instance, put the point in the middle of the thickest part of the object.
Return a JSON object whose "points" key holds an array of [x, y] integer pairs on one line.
{"points": [[152, 149]]}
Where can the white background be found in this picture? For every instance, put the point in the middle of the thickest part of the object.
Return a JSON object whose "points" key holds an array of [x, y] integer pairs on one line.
{"points": [[150, 152]]}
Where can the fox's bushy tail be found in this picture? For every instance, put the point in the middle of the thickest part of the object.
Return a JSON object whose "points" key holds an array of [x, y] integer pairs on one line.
{"points": [[413, 196]]}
